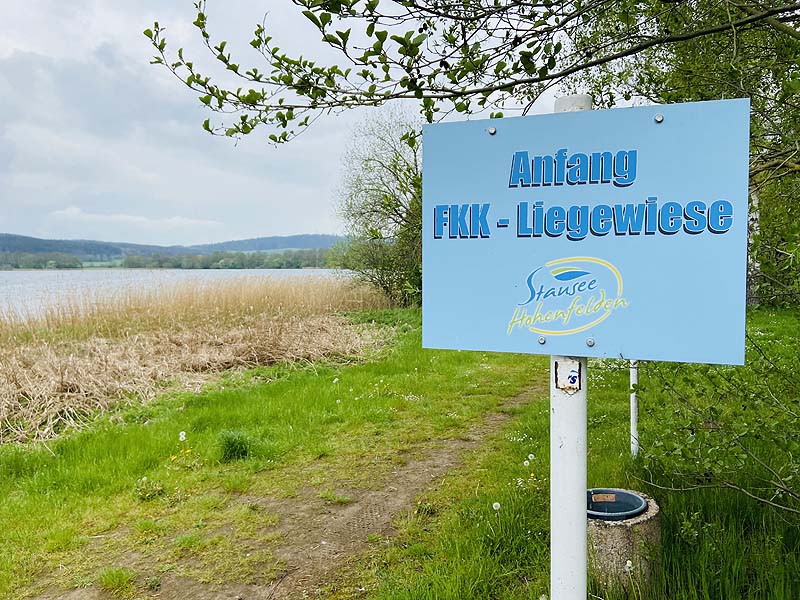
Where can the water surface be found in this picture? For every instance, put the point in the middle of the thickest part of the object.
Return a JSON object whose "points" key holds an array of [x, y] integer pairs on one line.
{"points": [[28, 293]]}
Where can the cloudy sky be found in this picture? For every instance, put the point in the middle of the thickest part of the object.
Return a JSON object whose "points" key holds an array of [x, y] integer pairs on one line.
{"points": [[96, 143]]}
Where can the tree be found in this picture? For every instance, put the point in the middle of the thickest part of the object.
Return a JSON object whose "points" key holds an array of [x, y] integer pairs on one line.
{"points": [[380, 201], [758, 63], [449, 55]]}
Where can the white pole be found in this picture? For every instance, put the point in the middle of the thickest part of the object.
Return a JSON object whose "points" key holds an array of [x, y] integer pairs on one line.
{"points": [[567, 479], [634, 409], [568, 456]]}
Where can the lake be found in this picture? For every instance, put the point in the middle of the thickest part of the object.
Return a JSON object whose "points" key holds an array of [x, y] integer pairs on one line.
{"points": [[29, 292]]}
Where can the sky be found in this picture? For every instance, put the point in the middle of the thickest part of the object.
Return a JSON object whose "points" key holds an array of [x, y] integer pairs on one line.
{"points": [[96, 143]]}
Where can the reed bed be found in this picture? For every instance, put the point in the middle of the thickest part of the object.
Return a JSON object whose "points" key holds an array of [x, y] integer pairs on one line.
{"points": [[89, 353]]}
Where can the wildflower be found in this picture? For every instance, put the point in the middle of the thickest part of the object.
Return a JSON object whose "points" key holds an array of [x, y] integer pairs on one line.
{"points": [[336, 380], [338, 401], [526, 464], [496, 506], [182, 436], [628, 566]]}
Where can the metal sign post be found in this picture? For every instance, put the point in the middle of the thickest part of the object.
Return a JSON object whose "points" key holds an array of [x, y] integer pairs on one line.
{"points": [[634, 376], [568, 406], [568, 478]]}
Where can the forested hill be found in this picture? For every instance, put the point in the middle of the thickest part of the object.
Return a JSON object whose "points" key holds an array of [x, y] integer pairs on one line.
{"points": [[89, 250]]}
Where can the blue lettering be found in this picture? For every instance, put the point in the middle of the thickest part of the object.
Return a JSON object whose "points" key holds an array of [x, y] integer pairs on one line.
{"points": [[561, 165], [556, 222], [628, 219], [601, 220], [520, 170], [459, 227], [479, 221], [578, 169], [625, 168], [439, 220], [602, 168], [720, 216], [651, 216], [542, 170], [669, 219], [694, 217], [523, 228], [538, 219], [577, 222]]}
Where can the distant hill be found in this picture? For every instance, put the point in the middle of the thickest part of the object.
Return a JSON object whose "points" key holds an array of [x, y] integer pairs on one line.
{"points": [[89, 250], [264, 244]]}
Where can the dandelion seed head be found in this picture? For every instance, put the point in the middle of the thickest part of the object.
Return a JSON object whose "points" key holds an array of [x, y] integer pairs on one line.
{"points": [[182, 436], [526, 463], [496, 506], [628, 565]]}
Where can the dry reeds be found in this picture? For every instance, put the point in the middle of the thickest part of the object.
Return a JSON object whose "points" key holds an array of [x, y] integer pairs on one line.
{"points": [[87, 354]]}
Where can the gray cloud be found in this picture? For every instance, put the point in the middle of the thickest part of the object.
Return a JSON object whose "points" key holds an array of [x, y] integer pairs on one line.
{"points": [[97, 143]]}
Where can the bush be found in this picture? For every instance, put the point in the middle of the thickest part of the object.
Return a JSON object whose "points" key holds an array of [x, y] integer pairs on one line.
{"points": [[730, 427]]}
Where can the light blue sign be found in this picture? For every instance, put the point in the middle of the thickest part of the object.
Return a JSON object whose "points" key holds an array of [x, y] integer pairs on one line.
{"points": [[615, 233]]}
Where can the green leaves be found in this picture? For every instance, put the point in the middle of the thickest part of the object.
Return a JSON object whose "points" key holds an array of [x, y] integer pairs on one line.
{"points": [[470, 55]]}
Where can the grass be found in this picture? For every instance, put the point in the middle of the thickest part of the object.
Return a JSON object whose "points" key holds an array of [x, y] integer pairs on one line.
{"points": [[321, 426], [118, 581], [89, 354], [333, 498], [234, 445], [716, 543], [328, 427]]}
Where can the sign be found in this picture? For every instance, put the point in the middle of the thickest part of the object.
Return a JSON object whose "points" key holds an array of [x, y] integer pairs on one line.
{"points": [[616, 233]]}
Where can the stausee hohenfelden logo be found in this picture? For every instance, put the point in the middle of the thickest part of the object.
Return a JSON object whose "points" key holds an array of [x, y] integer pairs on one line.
{"points": [[568, 295]]}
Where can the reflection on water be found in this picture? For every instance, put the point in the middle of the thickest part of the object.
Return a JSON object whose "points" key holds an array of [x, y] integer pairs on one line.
{"points": [[28, 293]]}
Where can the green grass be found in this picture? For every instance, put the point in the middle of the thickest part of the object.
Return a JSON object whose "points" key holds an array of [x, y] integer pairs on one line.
{"points": [[340, 427], [323, 426], [333, 498], [717, 544], [118, 581]]}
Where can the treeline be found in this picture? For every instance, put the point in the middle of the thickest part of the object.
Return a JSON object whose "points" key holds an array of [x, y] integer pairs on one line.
{"points": [[43, 260], [289, 259]]}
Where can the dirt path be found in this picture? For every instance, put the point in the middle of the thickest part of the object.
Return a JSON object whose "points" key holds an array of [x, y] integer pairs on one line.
{"points": [[320, 537]]}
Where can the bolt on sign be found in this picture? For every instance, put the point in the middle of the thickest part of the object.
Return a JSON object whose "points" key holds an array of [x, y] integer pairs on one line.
{"points": [[615, 233]]}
